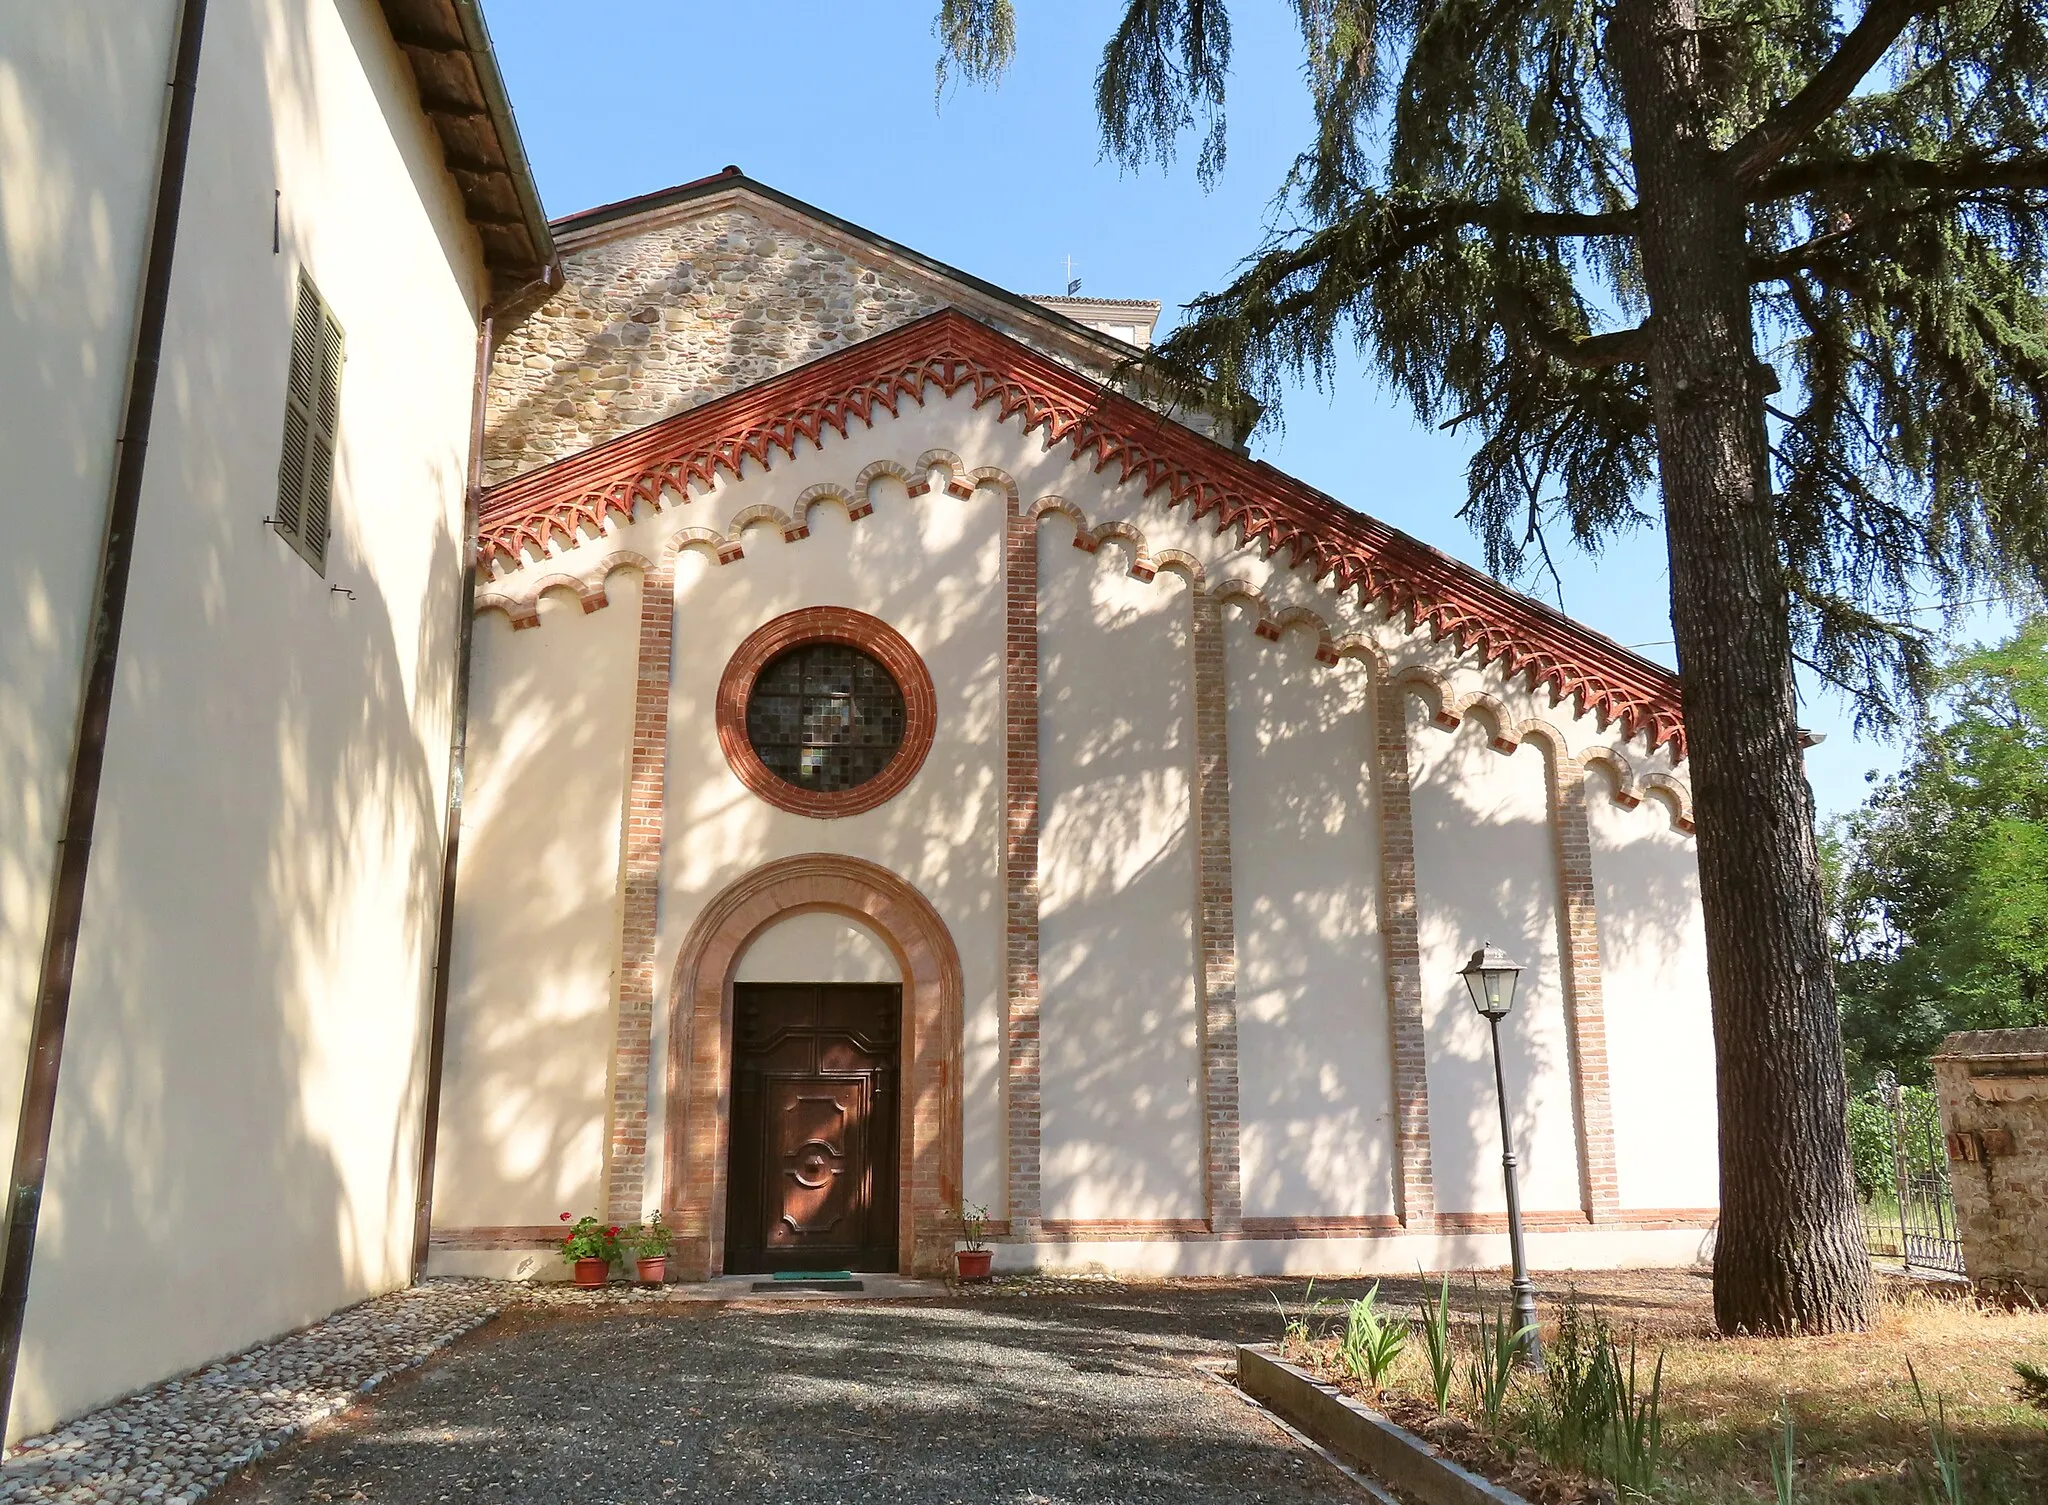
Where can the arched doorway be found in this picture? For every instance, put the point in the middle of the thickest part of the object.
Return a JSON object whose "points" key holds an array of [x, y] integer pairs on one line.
{"points": [[698, 1155]]}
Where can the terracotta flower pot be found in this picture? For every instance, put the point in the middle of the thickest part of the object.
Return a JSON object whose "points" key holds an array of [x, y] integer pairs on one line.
{"points": [[591, 1273], [653, 1271], [974, 1263]]}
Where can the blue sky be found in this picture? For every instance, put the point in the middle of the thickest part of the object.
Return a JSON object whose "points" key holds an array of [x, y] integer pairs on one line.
{"points": [[834, 104]]}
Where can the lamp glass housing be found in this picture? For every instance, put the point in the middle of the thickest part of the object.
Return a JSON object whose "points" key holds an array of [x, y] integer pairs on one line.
{"points": [[1490, 978]]}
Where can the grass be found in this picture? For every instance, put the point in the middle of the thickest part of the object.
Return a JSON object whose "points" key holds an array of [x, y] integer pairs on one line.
{"points": [[1863, 1437]]}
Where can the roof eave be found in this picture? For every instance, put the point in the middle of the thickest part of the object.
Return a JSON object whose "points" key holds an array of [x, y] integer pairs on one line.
{"points": [[463, 95]]}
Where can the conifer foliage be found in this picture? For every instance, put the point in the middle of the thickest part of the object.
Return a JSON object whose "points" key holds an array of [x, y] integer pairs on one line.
{"points": [[1773, 266]]}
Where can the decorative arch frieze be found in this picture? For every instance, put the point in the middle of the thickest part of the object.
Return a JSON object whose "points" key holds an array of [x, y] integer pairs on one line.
{"points": [[957, 484], [954, 354], [872, 473], [589, 588], [1675, 794], [1180, 562], [854, 503], [722, 550], [990, 475]]}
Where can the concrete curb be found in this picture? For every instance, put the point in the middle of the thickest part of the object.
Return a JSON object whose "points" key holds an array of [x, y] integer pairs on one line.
{"points": [[1391, 1454]]}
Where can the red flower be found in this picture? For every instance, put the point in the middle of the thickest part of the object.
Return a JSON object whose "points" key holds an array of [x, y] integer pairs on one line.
{"points": [[565, 1217], [615, 1233]]}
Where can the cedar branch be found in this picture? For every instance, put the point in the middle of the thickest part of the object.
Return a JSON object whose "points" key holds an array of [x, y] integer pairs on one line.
{"points": [[1794, 119], [1977, 174], [1590, 352]]}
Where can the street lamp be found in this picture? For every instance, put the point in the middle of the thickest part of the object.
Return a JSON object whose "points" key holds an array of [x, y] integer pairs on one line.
{"points": [[1490, 978]]}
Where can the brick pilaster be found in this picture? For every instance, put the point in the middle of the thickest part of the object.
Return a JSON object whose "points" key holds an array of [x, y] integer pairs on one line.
{"points": [[1585, 1007], [1021, 1044], [1221, 1128], [1400, 936], [646, 784]]}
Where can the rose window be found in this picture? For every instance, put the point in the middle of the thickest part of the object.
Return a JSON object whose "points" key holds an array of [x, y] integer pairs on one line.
{"points": [[825, 717]]}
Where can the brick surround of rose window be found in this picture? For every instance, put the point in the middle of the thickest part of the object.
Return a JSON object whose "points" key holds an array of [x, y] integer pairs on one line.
{"points": [[855, 629]]}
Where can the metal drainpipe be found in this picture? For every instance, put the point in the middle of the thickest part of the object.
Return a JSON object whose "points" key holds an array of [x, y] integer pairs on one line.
{"points": [[458, 742], [458, 748], [89, 746]]}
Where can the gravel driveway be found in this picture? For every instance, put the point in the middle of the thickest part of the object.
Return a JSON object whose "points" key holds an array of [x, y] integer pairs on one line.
{"points": [[1026, 1401]]}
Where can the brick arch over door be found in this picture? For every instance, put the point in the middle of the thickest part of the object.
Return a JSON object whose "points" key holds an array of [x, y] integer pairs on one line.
{"points": [[700, 1050]]}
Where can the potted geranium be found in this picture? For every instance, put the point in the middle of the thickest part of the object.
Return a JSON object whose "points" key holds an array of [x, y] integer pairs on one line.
{"points": [[974, 1260], [649, 1243], [589, 1249]]}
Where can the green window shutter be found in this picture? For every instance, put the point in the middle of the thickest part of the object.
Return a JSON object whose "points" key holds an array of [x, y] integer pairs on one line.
{"points": [[312, 419]]}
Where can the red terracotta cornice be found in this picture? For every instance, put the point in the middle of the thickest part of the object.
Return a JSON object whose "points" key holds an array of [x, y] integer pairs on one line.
{"points": [[953, 352]]}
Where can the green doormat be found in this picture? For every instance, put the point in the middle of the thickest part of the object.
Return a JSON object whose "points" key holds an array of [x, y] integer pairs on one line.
{"points": [[814, 1274]]}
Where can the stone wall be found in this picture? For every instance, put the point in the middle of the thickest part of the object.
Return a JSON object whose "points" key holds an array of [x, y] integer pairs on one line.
{"points": [[653, 320], [1993, 1088], [647, 325]]}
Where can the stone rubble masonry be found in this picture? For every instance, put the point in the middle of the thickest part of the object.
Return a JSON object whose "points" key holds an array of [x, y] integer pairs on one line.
{"points": [[652, 321], [1993, 1089], [1221, 1118]]}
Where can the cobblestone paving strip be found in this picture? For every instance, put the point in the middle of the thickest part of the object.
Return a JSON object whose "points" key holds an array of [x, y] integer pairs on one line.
{"points": [[183, 1439]]}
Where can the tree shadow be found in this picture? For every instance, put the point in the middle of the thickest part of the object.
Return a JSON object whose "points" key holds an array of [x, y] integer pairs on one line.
{"points": [[1122, 1077]]}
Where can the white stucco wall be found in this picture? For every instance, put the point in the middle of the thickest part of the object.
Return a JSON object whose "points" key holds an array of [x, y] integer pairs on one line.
{"points": [[1117, 875], [1121, 1127], [817, 948], [1660, 1031], [237, 1124], [1486, 870], [1315, 1082], [81, 122], [537, 914]]}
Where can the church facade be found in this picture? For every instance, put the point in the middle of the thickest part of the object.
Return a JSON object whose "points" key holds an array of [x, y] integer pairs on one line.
{"points": [[907, 772]]}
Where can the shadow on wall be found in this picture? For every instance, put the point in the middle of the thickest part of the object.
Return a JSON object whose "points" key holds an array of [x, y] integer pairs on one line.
{"points": [[1660, 1036], [1315, 1084], [237, 1127], [1122, 1064], [1646, 897], [1486, 870], [537, 925], [73, 214]]}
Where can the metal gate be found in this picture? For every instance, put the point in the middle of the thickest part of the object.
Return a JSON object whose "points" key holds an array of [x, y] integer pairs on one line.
{"points": [[1919, 1229]]}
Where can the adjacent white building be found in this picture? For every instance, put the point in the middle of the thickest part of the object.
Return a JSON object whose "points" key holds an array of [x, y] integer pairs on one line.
{"points": [[235, 1141]]}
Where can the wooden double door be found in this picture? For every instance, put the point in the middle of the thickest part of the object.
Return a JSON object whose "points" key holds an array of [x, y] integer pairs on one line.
{"points": [[811, 1178]]}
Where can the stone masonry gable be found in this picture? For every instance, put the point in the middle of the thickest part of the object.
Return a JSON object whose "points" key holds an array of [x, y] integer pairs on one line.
{"points": [[665, 310]]}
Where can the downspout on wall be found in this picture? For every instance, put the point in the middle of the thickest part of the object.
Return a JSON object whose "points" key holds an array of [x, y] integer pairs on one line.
{"points": [[458, 747], [458, 744], [89, 744]]}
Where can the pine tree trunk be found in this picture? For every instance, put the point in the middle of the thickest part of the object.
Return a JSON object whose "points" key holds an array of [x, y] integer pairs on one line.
{"points": [[1790, 1254]]}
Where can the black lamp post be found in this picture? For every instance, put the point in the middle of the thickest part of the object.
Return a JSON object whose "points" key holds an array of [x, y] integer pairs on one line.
{"points": [[1490, 977]]}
